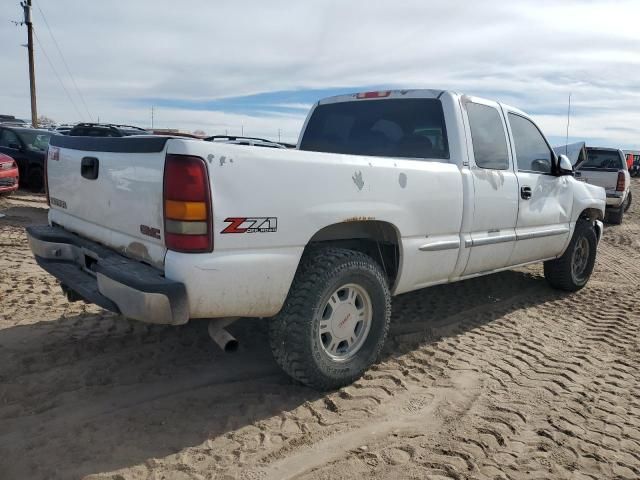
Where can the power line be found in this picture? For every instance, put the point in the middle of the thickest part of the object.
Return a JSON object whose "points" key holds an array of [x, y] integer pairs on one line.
{"points": [[58, 76], [55, 42]]}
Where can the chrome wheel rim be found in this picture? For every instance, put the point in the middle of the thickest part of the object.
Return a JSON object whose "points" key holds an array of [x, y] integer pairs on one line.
{"points": [[344, 322], [579, 259]]}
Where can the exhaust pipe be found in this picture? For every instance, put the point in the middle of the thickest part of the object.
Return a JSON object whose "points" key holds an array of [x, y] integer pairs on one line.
{"points": [[221, 336]]}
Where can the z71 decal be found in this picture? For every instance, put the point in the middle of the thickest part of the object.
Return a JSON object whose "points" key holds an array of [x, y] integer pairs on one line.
{"points": [[250, 224]]}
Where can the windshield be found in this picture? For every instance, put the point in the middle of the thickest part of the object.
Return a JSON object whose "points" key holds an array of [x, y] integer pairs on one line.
{"points": [[410, 128], [38, 141], [602, 159]]}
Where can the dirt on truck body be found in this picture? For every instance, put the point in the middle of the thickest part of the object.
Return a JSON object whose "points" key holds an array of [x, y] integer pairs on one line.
{"points": [[496, 377]]}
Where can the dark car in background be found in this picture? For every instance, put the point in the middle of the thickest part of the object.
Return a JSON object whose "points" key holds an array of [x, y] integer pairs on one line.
{"points": [[10, 120], [105, 130], [28, 147]]}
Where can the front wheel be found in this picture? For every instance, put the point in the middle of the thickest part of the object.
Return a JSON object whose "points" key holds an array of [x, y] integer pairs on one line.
{"points": [[573, 269], [335, 320]]}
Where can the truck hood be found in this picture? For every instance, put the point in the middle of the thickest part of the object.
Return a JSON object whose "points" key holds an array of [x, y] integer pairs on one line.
{"points": [[571, 150]]}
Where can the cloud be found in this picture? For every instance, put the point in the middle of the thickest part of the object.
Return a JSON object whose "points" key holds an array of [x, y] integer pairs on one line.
{"points": [[251, 62]]}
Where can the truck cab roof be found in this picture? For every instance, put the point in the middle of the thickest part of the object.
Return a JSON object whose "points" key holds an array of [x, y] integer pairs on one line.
{"points": [[406, 93]]}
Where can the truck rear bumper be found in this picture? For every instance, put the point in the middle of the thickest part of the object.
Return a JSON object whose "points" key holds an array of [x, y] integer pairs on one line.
{"points": [[615, 199], [100, 275]]}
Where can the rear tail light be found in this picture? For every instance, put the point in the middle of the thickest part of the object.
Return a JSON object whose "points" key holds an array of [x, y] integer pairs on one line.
{"points": [[187, 205], [621, 182]]}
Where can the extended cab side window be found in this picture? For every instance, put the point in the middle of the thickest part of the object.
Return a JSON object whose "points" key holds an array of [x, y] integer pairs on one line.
{"points": [[488, 137], [532, 152]]}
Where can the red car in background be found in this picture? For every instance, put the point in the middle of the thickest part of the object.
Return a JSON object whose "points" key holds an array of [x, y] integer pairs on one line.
{"points": [[9, 175]]}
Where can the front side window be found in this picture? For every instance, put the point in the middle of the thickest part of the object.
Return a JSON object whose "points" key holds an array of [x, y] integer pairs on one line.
{"points": [[532, 152], [488, 137], [36, 141], [409, 128]]}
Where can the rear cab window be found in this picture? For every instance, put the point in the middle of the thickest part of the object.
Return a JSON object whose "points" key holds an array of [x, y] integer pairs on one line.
{"points": [[601, 159], [405, 128]]}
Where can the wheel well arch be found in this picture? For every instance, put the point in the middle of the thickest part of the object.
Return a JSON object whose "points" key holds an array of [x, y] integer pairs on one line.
{"points": [[591, 214], [378, 239]]}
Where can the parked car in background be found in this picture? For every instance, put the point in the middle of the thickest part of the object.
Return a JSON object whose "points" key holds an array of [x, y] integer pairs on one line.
{"points": [[63, 129], [105, 130], [387, 192], [248, 141], [10, 120], [9, 175], [634, 169], [173, 132], [607, 168], [28, 147]]}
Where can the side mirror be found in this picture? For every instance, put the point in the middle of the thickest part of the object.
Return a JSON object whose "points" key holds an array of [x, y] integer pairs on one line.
{"points": [[564, 165], [15, 146]]}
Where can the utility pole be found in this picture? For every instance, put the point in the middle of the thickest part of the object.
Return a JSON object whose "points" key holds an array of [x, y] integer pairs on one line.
{"points": [[278, 135], [26, 6], [151, 117]]}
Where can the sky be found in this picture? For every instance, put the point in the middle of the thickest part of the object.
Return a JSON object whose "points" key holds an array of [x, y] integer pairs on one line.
{"points": [[256, 67]]}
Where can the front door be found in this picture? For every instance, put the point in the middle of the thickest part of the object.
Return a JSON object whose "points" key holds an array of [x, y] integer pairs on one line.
{"points": [[492, 236], [545, 200]]}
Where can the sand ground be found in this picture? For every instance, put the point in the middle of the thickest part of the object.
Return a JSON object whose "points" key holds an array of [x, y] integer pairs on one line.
{"points": [[494, 378]]}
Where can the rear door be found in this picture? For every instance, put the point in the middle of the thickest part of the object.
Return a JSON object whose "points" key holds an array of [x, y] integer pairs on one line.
{"points": [[110, 190], [545, 200], [492, 235]]}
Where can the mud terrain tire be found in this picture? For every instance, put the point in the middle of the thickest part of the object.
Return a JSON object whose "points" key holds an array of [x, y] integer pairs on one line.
{"points": [[572, 270], [347, 284]]}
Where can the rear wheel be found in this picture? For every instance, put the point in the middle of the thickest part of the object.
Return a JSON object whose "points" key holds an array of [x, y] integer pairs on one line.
{"points": [[627, 203], [335, 319], [573, 269]]}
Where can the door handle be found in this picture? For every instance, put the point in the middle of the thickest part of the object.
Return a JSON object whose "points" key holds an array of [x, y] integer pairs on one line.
{"points": [[525, 193], [89, 167]]}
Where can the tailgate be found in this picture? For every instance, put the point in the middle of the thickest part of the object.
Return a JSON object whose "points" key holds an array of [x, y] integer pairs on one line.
{"points": [[110, 190], [606, 179]]}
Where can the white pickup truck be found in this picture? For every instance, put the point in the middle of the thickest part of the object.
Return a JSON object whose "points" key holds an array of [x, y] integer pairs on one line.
{"points": [[387, 192], [607, 168]]}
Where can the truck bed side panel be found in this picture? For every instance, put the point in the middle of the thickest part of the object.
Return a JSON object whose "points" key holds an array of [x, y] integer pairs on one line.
{"points": [[290, 196]]}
